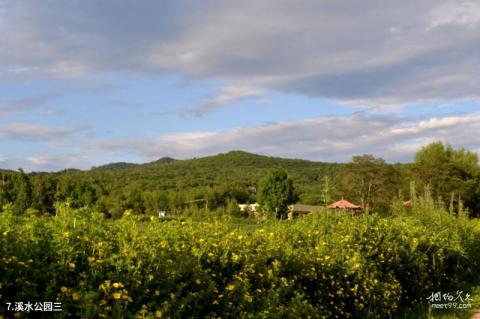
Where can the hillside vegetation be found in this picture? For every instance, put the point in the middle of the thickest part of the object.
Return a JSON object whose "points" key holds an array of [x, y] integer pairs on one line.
{"points": [[218, 183], [167, 184]]}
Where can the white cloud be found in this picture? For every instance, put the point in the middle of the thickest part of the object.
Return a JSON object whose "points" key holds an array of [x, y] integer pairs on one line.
{"points": [[460, 13], [34, 132], [393, 53], [50, 161], [330, 138], [24, 104], [47, 161], [226, 96], [323, 139]]}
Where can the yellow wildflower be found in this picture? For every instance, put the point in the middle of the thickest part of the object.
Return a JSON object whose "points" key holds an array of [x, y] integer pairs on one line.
{"points": [[230, 287], [158, 314], [117, 285], [75, 296], [66, 234], [71, 265], [64, 289], [117, 295]]}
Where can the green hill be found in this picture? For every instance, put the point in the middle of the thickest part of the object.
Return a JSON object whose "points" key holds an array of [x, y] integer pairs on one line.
{"points": [[165, 183], [235, 167], [225, 178]]}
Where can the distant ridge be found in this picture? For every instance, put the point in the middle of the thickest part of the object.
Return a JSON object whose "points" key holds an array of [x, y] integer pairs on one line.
{"points": [[116, 165], [231, 161], [126, 165], [163, 160]]}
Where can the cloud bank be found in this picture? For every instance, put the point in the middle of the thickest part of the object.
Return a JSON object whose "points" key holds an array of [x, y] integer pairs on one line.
{"points": [[365, 53], [323, 139]]}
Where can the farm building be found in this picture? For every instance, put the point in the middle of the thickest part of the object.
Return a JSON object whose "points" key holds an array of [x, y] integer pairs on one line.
{"points": [[299, 210], [346, 206]]}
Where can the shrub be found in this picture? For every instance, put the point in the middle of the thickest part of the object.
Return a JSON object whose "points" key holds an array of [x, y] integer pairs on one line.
{"points": [[325, 265]]}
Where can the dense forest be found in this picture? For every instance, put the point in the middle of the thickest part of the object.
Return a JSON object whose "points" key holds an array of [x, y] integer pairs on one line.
{"points": [[218, 183]]}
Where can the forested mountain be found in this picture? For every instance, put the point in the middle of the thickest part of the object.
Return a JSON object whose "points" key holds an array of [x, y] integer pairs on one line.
{"points": [[165, 183], [219, 182], [232, 168]]}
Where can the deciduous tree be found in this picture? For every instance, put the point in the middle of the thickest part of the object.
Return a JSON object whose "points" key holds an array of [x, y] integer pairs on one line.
{"points": [[276, 192]]}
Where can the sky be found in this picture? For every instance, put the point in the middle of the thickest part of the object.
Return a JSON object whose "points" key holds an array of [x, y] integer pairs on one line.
{"points": [[84, 83]]}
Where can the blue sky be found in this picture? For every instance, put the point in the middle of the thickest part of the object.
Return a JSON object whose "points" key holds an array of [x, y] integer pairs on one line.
{"points": [[83, 83]]}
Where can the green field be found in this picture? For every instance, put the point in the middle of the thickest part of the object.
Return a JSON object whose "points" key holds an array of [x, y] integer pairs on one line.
{"points": [[326, 265]]}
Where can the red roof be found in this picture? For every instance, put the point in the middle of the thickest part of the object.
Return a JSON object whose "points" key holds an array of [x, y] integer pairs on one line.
{"points": [[342, 204]]}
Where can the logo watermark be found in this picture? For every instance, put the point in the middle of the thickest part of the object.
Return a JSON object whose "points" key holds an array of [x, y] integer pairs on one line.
{"points": [[448, 300]]}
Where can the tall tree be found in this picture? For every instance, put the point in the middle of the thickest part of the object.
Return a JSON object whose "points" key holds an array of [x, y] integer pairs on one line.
{"points": [[369, 181], [276, 192], [450, 173], [43, 192], [4, 198], [23, 193]]}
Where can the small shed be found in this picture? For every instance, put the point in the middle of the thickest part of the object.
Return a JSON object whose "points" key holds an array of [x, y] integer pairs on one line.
{"points": [[346, 206], [299, 210]]}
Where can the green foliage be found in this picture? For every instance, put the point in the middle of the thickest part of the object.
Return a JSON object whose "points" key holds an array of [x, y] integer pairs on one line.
{"points": [[172, 185], [324, 265], [22, 193], [276, 192], [165, 184], [368, 181], [449, 171]]}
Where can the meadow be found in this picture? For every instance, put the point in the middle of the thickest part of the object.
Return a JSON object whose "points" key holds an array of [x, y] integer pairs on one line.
{"points": [[326, 265]]}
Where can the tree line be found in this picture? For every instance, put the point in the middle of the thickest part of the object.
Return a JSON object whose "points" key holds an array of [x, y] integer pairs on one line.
{"points": [[219, 183]]}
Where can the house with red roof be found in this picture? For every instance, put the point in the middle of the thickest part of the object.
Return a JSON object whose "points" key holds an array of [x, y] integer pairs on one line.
{"points": [[345, 205]]}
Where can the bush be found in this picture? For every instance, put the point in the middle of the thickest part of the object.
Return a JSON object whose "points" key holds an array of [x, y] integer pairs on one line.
{"points": [[326, 265]]}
